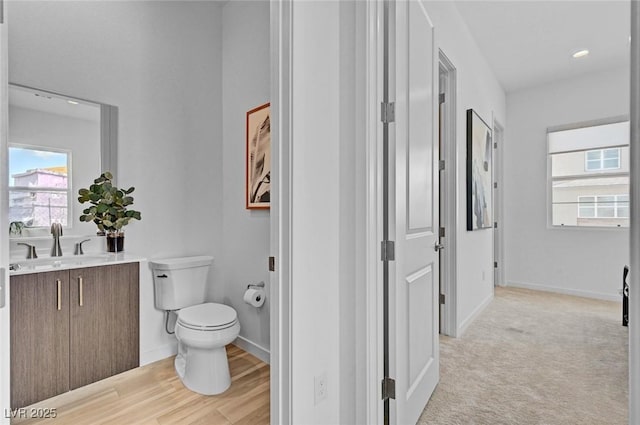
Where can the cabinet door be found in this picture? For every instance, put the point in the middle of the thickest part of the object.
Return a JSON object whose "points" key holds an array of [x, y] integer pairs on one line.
{"points": [[125, 281], [104, 335], [39, 336]]}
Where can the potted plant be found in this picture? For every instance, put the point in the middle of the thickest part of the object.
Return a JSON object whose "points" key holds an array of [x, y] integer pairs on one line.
{"points": [[108, 209]]}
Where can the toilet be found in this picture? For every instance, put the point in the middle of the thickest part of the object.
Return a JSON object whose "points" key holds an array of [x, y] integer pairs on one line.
{"points": [[202, 329]]}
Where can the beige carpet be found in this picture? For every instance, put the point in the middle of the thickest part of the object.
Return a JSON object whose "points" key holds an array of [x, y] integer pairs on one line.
{"points": [[535, 358]]}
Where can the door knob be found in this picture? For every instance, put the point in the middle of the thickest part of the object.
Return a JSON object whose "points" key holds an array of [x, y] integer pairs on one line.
{"points": [[438, 247]]}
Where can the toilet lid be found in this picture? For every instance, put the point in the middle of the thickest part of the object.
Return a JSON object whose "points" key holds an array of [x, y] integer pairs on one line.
{"points": [[207, 316]]}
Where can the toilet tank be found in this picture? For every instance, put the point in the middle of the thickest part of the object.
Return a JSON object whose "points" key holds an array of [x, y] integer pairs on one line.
{"points": [[180, 282]]}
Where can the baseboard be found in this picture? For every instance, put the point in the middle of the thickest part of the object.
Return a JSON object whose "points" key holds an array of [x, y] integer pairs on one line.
{"points": [[566, 291], [253, 348], [172, 349], [466, 322], [158, 353]]}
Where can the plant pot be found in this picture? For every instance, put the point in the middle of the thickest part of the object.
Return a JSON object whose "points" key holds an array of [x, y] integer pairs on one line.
{"points": [[115, 242]]}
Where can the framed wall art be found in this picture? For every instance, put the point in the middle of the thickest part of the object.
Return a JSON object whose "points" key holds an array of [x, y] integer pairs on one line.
{"points": [[258, 184], [479, 173]]}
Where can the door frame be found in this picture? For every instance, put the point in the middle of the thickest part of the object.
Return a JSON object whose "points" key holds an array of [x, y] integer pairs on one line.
{"points": [[374, 217], [634, 231], [498, 203], [5, 333], [280, 215], [449, 211]]}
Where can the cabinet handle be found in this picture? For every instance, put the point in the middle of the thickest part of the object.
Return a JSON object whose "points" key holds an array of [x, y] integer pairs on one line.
{"points": [[80, 291], [59, 284]]}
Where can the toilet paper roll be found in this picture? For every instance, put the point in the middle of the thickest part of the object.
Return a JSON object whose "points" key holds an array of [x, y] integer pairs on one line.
{"points": [[254, 297]]}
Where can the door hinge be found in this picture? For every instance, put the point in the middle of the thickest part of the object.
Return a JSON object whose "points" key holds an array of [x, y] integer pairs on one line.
{"points": [[441, 98], [388, 250], [441, 298], [495, 185], [495, 224], [442, 232], [495, 264], [441, 164], [388, 388], [272, 264], [387, 112], [495, 145]]}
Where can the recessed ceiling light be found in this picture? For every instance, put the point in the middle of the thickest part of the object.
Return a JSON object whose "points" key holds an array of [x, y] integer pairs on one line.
{"points": [[580, 53], [73, 102]]}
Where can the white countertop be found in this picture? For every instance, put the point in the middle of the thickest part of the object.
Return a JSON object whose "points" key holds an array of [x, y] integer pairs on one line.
{"points": [[47, 264]]}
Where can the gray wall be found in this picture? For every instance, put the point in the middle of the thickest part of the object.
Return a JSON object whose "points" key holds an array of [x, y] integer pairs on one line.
{"points": [[245, 234], [578, 261]]}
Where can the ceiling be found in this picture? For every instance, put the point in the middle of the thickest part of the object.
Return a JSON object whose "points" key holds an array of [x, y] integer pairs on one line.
{"points": [[54, 104], [528, 43]]}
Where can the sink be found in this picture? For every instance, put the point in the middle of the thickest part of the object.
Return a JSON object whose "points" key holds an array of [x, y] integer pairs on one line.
{"points": [[50, 263]]}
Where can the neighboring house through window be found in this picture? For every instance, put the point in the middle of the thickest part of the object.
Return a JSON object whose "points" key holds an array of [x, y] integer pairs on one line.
{"points": [[38, 186], [589, 175]]}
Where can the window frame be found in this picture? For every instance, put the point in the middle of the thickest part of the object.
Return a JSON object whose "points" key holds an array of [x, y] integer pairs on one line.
{"points": [[602, 159], [616, 205], [550, 180], [68, 190]]}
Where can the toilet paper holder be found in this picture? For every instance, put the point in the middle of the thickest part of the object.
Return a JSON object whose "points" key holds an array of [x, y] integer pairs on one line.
{"points": [[255, 285]]}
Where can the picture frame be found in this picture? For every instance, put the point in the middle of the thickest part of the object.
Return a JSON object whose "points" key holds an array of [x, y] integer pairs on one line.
{"points": [[479, 173], [258, 158]]}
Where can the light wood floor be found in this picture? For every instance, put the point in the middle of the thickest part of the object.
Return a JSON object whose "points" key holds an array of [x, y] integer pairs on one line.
{"points": [[153, 394]]}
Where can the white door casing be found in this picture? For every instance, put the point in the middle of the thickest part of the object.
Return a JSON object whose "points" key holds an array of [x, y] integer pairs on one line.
{"points": [[4, 221], [280, 215], [414, 210], [498, 214]]}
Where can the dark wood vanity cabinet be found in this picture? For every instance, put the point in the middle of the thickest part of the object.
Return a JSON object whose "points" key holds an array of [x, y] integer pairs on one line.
{"points": [[39, 336], [104, 331], [71, 328]]}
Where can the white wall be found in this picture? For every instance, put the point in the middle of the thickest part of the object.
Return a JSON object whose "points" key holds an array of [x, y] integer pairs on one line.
{"points": [[477, 89], [160, 64], [327, 214], [583, 261], [245, 234], [327, 211]]}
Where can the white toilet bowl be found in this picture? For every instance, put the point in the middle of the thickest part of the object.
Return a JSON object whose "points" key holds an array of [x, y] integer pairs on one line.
{"points": [[203, 331]]}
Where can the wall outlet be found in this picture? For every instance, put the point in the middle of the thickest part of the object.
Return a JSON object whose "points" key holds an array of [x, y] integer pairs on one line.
{"points": [[320, 386]]}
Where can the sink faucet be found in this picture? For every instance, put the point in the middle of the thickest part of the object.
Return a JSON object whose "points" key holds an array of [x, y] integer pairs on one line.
{"points": [[78, 248], [56, 231], [31, 250]]}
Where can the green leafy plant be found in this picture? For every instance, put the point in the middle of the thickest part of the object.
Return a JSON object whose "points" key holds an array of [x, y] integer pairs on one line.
{"points": [[108, 208]]}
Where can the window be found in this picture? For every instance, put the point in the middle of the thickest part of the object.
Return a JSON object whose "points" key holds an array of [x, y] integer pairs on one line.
{"points": [[602, 159], [605, 206], [39, 186], [589, 176]]}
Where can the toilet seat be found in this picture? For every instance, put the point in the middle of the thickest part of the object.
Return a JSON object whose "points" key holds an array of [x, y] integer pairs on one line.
{"points": [[207, 317]]}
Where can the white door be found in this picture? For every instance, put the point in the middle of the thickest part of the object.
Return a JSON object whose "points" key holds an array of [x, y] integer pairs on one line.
{"points": [[414, 276]]}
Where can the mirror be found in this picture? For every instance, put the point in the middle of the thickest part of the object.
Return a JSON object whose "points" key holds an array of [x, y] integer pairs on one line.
{"points": [[57, 145]]}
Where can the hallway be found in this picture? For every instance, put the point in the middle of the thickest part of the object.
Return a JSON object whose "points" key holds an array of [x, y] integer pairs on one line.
{"points": [[535, 358]]}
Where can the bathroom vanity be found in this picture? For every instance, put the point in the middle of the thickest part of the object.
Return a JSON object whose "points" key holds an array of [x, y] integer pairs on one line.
{"points": [[72, 324]]}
